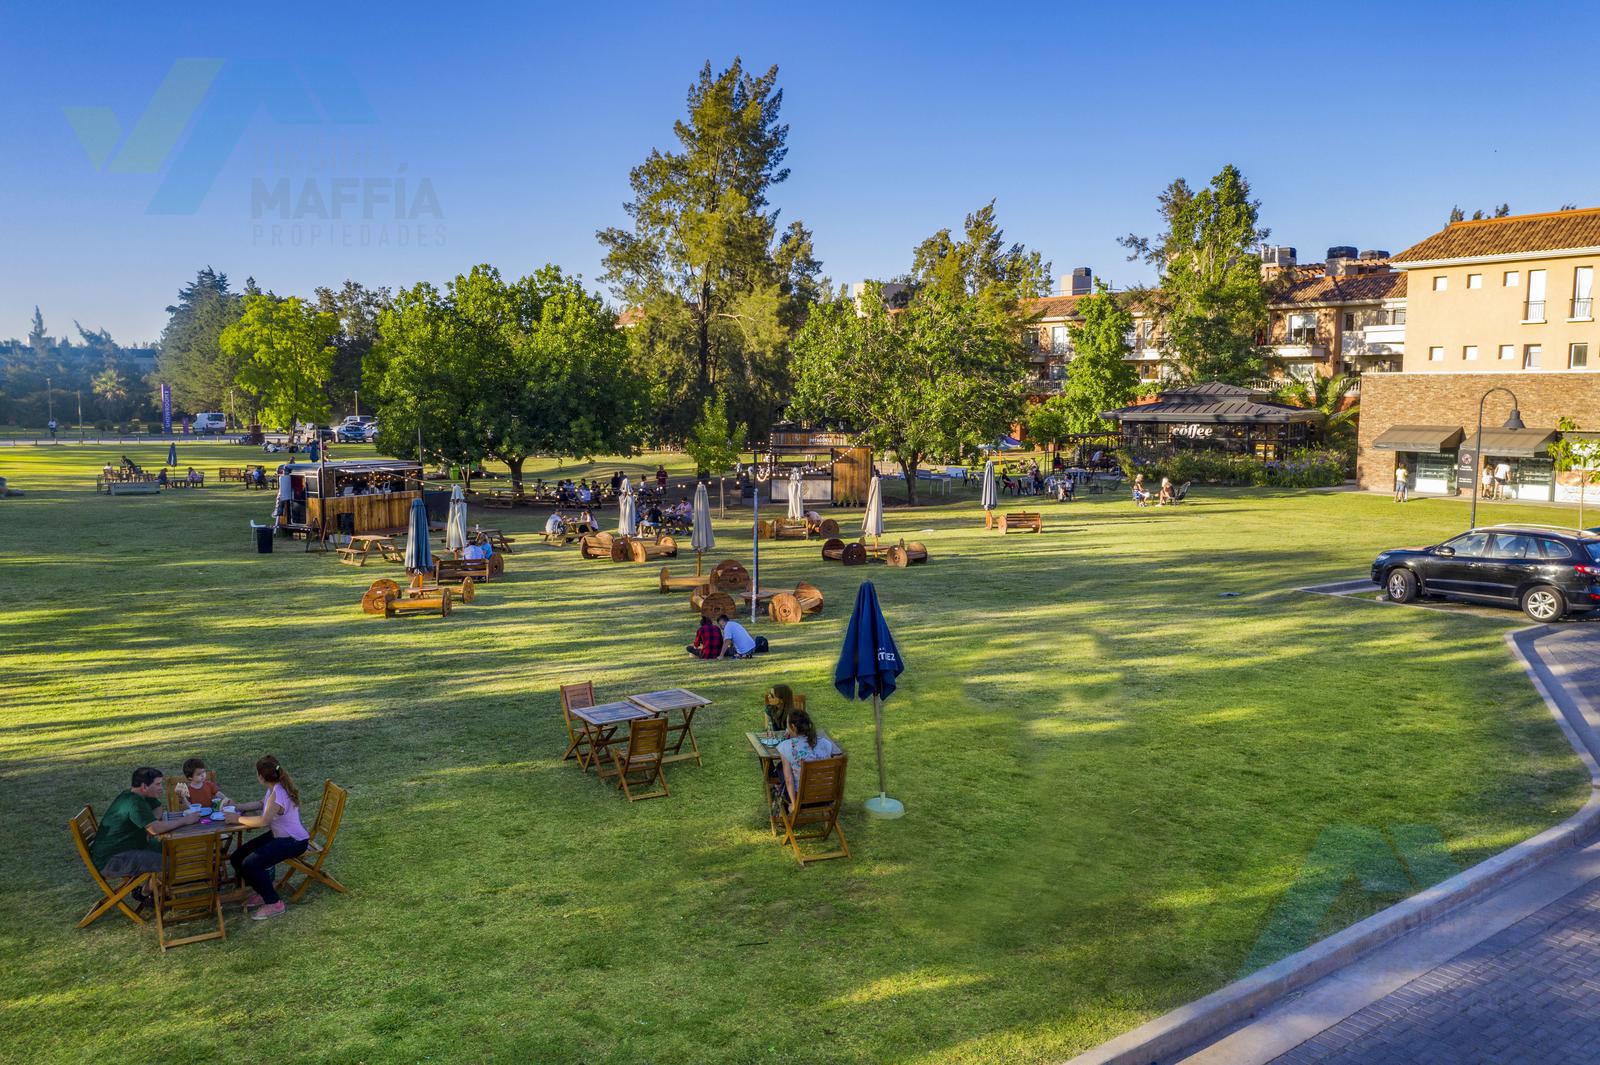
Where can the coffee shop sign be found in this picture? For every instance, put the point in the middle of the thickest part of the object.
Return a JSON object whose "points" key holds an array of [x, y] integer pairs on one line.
{"points": [[1196, 432]]}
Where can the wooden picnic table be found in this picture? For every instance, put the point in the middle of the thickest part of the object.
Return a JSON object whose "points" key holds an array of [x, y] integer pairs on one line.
{"points": [[769, 761], [760, 595], [663, 703], [363, 544], [600, 723], [497, 538]]}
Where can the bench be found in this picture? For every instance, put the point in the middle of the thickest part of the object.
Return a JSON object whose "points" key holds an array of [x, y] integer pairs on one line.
{"points": [[685, 583], [386, 597], [641, 550], [906, 554], [184, 482], [730, 576], [787, 608], [595, 545], [711, 603], [446, 570], [133, 488], [791, 529], [230, 473], [434, 602], [825, 527], [1021, 521], [836, 550]]}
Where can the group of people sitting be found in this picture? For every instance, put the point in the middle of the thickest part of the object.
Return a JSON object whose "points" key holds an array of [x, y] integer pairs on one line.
{"points": [[557, 524], [128, 841], [1141, 495], [725, 638], [802, 742]]}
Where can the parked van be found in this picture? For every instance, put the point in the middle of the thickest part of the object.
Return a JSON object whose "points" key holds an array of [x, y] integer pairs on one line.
{"points": [[211, 421]]}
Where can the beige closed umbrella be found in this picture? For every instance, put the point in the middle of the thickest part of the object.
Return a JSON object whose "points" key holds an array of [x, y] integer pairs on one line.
{"points": [[797, 506], [628, 516], [701, 538], [872, 520], [455, 528]]}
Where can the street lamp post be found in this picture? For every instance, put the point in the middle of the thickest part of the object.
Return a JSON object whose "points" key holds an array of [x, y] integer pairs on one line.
{"points": [[1513, 422]]}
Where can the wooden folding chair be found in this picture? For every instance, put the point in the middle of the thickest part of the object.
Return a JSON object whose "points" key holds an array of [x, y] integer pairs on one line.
{"points": [[84, 828], [647, 741], [815, 804], [329, 813], [187, 889], [574, 696]]}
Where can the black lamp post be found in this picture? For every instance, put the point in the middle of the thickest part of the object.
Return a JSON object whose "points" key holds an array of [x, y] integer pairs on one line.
{"points": [[1513, 422]]}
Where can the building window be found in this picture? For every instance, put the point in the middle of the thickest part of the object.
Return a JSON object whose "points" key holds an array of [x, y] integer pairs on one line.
{"points": [[1436, 354], [1508, 351], [1512, 279], [1470, 352], [1349, 320], [1578, 357], [1397, 316], [1060, 340], [1474, 280], [1302, 329], [1582, 291], [1530, 356], [1440, 283], [1533, 311]]}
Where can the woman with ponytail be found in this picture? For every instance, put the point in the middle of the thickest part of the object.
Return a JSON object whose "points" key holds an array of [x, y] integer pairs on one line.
{"points": [[805, 743], [287, 838]]}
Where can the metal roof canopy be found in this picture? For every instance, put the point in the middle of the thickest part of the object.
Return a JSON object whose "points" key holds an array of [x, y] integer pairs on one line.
{"points": [[1236, 411], [1518, 443], [1432, 439]]}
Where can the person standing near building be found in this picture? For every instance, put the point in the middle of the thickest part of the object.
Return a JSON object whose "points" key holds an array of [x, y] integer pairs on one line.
{"points": [[1399, 482], [1502, 478]]}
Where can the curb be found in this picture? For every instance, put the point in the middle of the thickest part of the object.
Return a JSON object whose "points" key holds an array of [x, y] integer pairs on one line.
{"points": [[1188, 1025]]}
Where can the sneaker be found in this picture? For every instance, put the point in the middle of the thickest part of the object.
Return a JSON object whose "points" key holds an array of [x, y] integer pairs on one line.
{"points": [[267, 913], [253, 901]]}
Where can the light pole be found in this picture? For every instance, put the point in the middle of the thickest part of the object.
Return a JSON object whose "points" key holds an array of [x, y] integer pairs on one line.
{"points": [[50, 398], [1513, 422], [80, 415]]}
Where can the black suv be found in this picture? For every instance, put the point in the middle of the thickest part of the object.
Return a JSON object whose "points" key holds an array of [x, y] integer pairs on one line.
{"points": [[1548, 571]]}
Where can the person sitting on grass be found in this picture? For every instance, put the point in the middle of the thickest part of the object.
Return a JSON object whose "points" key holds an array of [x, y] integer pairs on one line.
{"points": [[707, 640], [287, 838], [806, 743], [126, 843], [737, 641], [1140, 495]]}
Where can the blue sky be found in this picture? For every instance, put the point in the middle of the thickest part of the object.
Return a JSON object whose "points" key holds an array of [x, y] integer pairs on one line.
{"points": [[1356, 124]]}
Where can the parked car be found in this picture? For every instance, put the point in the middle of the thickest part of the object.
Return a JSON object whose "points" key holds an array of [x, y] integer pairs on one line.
{"points": [[353, 430], [210, 421], [1548, 571], [372, 432]]}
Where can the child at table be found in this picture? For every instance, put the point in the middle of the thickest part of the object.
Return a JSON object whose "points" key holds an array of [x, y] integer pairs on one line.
{"points": [[198, 787]]}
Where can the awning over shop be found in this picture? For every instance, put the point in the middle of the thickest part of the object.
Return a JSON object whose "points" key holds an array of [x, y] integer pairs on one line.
{"points": [[1429, 439], [1520, 443]]}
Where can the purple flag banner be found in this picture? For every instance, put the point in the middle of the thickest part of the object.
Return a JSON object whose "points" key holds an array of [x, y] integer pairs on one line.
{"points": [[166, 409]]}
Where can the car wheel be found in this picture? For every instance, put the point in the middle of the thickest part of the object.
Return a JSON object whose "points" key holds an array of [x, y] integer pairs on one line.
{"points": [[1544, 603], [1401, 585]]}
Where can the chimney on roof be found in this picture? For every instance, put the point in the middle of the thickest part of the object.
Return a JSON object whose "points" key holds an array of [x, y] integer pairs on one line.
{"points": [[1078, 283], [1276, 259]]}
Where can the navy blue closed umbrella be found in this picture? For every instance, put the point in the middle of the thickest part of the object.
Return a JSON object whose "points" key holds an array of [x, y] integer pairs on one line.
{"points": [[419, 557], [869, 665], [172, 453]]}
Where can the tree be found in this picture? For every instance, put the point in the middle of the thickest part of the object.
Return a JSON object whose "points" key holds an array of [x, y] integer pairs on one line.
{"points": [[980, 264], [285, 351], [716, 299], [1211, 295], [503, 370], [713, 446], [938, 377], [1050, 422], [38, 339], [1458, 215], [356, 308], [1098, 377], [191, 358], [112, 388], [1329, 396]]}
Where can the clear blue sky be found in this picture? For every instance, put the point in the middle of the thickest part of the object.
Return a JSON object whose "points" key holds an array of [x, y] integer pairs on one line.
{"points": [[1356, 124]]}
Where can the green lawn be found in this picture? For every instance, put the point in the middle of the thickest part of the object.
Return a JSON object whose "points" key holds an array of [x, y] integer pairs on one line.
{"points": [[1112, 777]]}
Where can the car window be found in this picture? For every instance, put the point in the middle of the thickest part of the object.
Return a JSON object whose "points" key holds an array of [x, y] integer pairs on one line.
{"points": [[1594, 551], [1510, 545], [1553, 549], [1472, 543]]}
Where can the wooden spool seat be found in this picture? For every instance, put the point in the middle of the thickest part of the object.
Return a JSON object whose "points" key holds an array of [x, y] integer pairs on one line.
{"points": [[764, 529], [621, 548], [791, 529], [836, 550], [711, 603], [788, 608], [686, 583], [825, 527], [463, 589], [448, 570], [1021, 521], [646, 550], [906, 554], [596, 545], [435, 602], [730, 576]]}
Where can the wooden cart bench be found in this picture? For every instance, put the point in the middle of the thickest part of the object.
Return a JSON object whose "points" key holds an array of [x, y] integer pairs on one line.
{"points": [[1021, 521], [836, 550], [906, 554], [640, 550], [686, 583], [596, 545], [787, 608]]}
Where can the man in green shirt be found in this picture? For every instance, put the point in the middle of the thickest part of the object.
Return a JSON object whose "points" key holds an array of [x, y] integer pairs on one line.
{"points": [[126, 843]]}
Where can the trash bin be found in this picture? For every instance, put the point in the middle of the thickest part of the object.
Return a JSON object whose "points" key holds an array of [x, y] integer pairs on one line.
{"points": [[263, 538]]}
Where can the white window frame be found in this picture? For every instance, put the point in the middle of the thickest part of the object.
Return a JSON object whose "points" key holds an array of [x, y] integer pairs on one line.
{"points": [[1436, 353], [1532, 355], [1572, 353], [1469, 352], [1536, 295], [1582, 294], [1508, 352], [1512, 279], [1441, 283], [1474, 280]]}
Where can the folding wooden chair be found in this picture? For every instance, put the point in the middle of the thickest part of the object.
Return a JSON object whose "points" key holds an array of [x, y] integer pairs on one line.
{"points": [[84, 828], [323, 831], [188, 889], [815, 804], [647, 741], [574, 696]]}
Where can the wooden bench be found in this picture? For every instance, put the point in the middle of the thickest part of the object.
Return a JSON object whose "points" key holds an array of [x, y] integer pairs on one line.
{"points": [[1021, 521], [787, 608], [730, 576], [791, 529], [906, 554], [435, 602], [133, 488], [836, 550], [687, 582], [596, 545], [230, 473], [641, 550], [388, 598], [825, 527], [184, 482], [711, 603], [446, 570]]}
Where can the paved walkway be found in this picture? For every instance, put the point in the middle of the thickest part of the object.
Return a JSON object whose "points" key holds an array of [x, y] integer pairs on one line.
{"points": [[1512, 979]]}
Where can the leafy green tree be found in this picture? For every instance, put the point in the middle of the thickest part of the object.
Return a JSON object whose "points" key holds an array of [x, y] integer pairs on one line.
{"points": [[1211, 295], [979, 264], [712, 444], [1050, 422], [356, 308], [285, 351], [716, 292], [490, 369], [1330, 396], [191, 359], [1098, 378], [112, 389], [938, 377]]}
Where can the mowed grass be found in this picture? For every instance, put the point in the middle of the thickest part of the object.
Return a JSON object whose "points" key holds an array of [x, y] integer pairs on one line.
{"points": [[1112, 776]]}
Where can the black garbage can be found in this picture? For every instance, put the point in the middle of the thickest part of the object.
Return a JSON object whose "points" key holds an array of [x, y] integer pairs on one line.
{"points": [[263, 538]]}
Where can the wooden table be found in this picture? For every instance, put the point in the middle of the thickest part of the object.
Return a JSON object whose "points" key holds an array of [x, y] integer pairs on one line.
{"points": [[600, 724], [760, 595], [363, 544], [497, 538], [661, 704], [770, 763]]}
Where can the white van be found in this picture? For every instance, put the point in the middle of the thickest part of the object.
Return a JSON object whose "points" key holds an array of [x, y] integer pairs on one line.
{"points": [[211, 421]]}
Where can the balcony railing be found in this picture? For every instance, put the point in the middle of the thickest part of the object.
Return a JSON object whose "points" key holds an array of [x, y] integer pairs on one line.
{"points": [[1533, 311], [1582, 307]]}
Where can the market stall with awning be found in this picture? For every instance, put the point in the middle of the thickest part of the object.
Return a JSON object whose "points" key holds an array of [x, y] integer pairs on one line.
{"points": [[1425, 439]]}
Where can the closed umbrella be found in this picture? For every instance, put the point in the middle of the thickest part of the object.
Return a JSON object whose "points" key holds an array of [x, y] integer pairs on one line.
{"points": [[797, 507], [419, 556], [626, 487], [628, 520], [701, 538], [872, 520], [990, 499], [172, 453], [868, 668], [455, 527]]}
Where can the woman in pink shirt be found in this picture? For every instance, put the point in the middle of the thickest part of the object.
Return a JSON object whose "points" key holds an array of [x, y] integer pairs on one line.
{"points": [[288, 838]]}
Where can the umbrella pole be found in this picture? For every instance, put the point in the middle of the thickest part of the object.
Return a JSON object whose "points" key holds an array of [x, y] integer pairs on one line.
{"points": [[755, 552], [880, 805], [697, 563]]}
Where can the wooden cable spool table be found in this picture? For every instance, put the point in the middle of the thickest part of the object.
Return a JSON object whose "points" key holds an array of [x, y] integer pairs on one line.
{"points": [[787, 608], [836, 550]]}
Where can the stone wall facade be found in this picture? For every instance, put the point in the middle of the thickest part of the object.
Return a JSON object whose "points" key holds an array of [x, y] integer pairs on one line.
{"points": [[1390, 399]]}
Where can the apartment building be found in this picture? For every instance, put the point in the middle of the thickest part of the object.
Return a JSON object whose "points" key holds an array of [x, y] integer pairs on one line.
{"points": [[1049, 338], [1344, 315], [1498, 311]]}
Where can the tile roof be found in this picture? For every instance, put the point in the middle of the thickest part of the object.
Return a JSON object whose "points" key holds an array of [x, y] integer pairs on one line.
{"points": [[1053, 306], [1480, 238], [1357, 288]]}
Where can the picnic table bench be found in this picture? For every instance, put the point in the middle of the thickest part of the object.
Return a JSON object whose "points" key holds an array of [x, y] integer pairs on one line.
{"points": [[184, 481], [1021, 521], [356, 552], [230, 473]]}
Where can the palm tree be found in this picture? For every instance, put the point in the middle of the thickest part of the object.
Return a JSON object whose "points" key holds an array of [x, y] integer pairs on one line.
{"points": [[109, 386], [1328, 395]]}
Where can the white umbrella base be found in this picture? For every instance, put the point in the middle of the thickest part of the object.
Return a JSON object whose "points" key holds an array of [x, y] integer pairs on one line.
{"points": [[884, 808]]}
